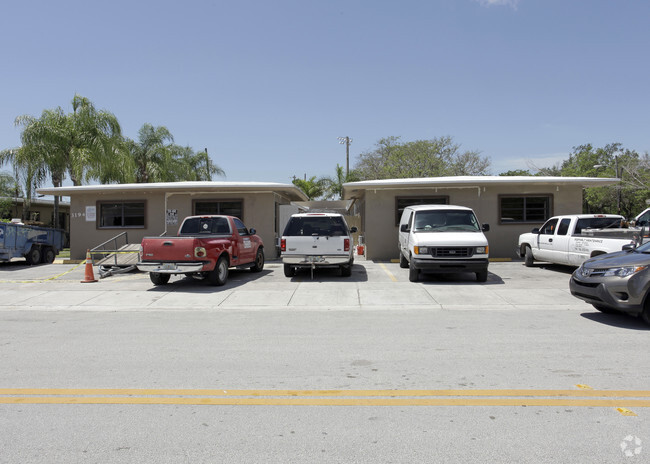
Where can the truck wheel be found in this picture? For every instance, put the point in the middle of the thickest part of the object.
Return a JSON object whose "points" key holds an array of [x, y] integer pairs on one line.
{"points": [[403, 262], [33, 256], [219, 275], [289, 271], [48, 255], [482, 276], [414, 274], [346, 270], [159, 279], [259, 261], [528, 257]]}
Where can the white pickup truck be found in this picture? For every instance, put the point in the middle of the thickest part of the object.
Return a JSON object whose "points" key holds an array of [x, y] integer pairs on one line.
{"points": [[572, 239], [317, 240]]}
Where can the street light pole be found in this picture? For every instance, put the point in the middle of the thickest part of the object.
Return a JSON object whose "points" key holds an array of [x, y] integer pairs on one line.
{"points": [[347, 141], [618, 194]]}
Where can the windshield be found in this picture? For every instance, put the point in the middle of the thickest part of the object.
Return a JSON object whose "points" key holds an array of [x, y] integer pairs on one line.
{"points": [[645, 248], [441, 221], [302, 226]]}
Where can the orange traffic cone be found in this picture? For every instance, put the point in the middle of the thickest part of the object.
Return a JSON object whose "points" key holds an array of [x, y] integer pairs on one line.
{"points": [[89, 277]]}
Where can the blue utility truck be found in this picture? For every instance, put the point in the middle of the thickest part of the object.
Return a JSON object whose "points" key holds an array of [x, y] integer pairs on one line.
{"points": [[35, 244]]}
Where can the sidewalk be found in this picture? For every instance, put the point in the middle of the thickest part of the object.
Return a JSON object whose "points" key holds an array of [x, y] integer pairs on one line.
{"points": [[372, 286]]}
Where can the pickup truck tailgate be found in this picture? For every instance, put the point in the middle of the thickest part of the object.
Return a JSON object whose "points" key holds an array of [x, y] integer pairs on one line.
{"points": [[315, 245], [168, 249]]}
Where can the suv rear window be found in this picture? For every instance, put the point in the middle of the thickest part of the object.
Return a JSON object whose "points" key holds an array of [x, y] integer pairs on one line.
{"points": [[305, 226], [205, 225]]}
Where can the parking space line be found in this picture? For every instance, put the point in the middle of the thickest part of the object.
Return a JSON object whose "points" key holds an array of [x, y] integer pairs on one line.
{"points": [[390, 274], [620, 399]]}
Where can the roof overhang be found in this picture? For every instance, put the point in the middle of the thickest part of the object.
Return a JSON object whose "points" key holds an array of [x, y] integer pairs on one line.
{"points": [[290, 191], [353, 190]]}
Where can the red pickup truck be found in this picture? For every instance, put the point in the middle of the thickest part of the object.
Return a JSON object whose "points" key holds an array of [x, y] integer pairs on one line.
{"points": [[206, 246]]}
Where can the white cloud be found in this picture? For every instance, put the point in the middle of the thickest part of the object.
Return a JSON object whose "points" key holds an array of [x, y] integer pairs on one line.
{"points": [[487, 3]]}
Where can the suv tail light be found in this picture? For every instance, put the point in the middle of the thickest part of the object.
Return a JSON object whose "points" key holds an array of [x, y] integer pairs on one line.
{"points": [[346, 244], [283, 244]]}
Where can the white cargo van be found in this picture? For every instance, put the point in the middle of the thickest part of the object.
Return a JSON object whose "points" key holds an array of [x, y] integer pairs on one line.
{"points": [[442, 239]]}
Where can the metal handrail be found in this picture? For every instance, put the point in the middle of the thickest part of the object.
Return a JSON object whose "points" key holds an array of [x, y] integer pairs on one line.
{"points": [[99, 248]]}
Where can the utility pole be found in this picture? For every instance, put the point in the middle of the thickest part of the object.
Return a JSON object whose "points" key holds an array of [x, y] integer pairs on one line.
{"points": [[347, 141], [207, 162]]}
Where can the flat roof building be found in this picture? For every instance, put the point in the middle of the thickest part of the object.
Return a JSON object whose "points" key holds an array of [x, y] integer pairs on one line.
{"points": [[510, 204], [100, 212]]}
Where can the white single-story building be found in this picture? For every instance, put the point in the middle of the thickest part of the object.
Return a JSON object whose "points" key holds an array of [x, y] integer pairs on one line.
{"points": [[510, 205], [98, 213]]}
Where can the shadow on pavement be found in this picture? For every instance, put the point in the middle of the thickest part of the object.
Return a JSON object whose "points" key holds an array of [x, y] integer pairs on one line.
{"points": [[459, 278], [359, 274], [236, 278], [622, 321]]}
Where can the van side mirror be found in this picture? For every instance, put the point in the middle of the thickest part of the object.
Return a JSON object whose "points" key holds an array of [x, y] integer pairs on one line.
{"points": [[252, 231], [486, 227], [404, 228], [535, 230], [628, 247], [353, 230]]}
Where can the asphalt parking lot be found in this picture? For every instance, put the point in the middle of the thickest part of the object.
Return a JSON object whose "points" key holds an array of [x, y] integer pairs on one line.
{"points": [[372, 286]]}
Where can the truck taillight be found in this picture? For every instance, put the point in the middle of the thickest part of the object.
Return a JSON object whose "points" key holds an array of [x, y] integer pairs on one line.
{"points": [[283, 244], [346, 244], [200, 252]]}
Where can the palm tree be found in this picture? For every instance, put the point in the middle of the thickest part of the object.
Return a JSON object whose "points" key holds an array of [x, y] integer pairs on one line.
{"points": [[311, 187], [155, 158], [195, 166], [333, 186], [77, 144]]}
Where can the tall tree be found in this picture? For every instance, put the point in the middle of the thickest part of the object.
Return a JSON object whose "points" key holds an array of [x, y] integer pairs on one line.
{"points": [[333, 186], [311, 187], [437, 157], [59, 144]]}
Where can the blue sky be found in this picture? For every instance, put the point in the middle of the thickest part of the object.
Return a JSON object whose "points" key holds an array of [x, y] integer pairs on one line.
{"points": [[268, 86]]}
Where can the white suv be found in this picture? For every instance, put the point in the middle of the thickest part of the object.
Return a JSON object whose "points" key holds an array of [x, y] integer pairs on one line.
{"points": [[317, 240]]}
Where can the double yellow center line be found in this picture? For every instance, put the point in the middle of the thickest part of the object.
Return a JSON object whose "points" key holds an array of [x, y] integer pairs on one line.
{"points": [[621, 399]]}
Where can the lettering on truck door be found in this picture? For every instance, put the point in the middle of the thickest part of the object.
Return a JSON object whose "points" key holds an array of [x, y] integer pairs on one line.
{"points": [[561, 242], [545, 240], [245, 247]]}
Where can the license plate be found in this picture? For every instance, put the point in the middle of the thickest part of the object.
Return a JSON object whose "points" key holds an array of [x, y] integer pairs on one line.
{"points": [[168, 267], [315, 259]]}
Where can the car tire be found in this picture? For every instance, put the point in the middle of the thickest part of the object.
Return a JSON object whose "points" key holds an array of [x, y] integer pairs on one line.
{"points": [[346, 270], [289, 271], [48, 255], [482, 276], [259, 261], [645, 314], [33, 256], [529, 260], [414, 273], [219, 275], [159, 279], [605, 309], [403, 262]]}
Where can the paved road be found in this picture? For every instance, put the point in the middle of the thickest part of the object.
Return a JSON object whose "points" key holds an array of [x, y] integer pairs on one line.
{"points": [[268, 369]]}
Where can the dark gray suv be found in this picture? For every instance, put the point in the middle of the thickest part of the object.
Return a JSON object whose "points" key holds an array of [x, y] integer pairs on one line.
{"points": [[616, 282]]}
